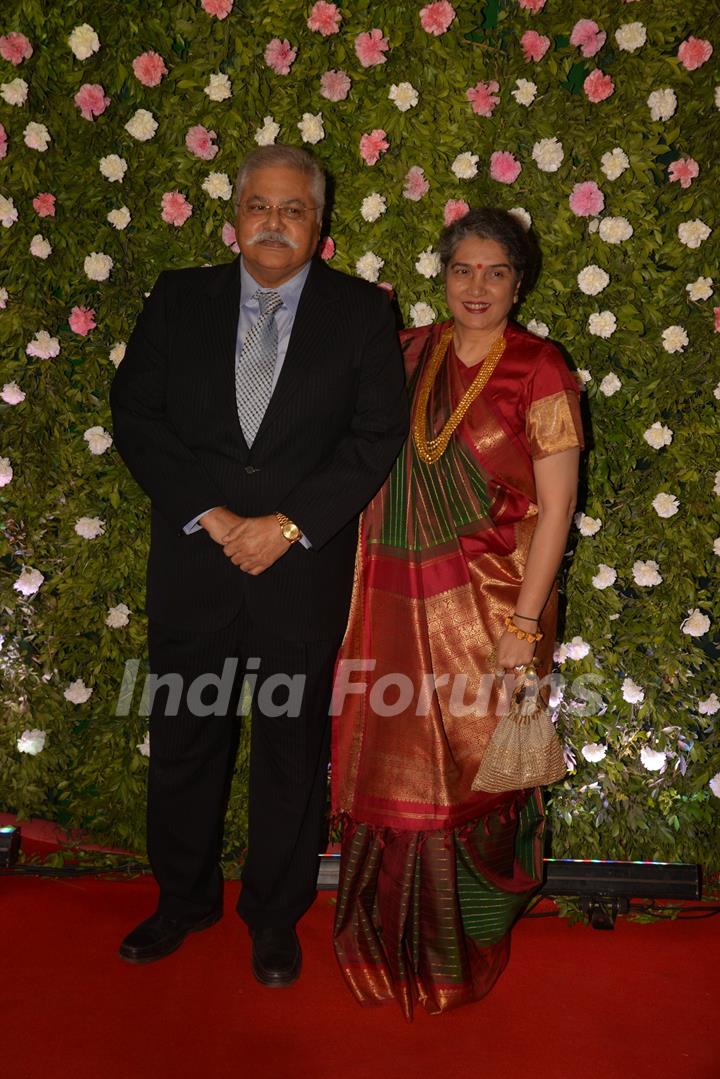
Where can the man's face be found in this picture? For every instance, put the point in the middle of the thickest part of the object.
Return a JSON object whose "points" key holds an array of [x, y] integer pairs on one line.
{"points": [[276, 224]]}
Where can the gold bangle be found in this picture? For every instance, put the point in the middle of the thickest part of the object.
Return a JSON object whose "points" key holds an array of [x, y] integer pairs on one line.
{"points": [[531, 638]]}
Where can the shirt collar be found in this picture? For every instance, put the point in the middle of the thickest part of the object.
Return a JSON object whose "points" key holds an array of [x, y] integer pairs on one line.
{"points": [[289, 292]]}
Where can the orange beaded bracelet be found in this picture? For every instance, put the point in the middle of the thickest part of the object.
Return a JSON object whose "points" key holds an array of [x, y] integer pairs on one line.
{"points": [[521, 635]]}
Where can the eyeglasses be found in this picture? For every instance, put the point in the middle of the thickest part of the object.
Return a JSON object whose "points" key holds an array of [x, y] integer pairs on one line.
{"points": [[288, 211]]}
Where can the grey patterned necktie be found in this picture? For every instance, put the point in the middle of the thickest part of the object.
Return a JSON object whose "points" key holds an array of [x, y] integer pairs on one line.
{"points": [[255, 366]]}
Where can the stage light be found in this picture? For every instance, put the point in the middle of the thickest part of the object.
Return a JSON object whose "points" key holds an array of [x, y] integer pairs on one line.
{"points": [[9, 845]]}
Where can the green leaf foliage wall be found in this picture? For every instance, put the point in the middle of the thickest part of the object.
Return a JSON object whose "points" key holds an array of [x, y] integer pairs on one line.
{"points": [[598, 121]]}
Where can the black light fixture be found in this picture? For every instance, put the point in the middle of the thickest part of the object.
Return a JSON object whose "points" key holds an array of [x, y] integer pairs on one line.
{"points": [[9, 845]]}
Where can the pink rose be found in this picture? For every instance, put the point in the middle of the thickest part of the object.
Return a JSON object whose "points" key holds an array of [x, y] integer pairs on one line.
{"points": [[504, 167], [588, 37], [327, 249], [149, 68], [91, 100], [15, 47], [175, 208], [483, 97], [415, 185], [82, 320], [370, 48], [229, 237], [716, 312], [598, 86], [324, 18], [372, 145], [454, 210], [335, 85], [532, 5], [219, 8], [3, 142], [199, 141], [44, 205], [534, 45], [685, 169], [280, 56], [586, 199], [436, 18], [694, 52]]}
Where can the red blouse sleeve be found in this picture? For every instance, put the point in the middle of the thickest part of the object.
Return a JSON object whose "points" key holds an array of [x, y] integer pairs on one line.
{"points": [[552, 406]]}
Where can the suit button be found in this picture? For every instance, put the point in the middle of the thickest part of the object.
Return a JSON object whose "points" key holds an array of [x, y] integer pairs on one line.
{"points": [[250, 469]]}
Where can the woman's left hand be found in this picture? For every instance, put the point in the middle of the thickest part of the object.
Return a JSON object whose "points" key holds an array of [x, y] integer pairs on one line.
{"points": [[511, 652]]}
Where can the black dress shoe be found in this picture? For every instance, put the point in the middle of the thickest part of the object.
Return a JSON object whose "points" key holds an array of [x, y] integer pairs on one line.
{"points": [[276, 957], [159, 935]]}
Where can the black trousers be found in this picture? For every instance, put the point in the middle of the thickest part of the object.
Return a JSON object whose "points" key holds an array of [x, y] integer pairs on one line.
{"points": [[192, 756]]}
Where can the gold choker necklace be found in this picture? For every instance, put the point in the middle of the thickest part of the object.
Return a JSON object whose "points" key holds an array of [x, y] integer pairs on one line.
{"points": [[431, 450]]}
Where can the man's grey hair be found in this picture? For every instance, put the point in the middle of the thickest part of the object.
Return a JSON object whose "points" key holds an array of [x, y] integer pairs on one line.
{"points": [[292, 157]]}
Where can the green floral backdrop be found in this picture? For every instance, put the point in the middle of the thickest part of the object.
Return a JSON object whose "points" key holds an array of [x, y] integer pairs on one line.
{"points": [[121, 129]]}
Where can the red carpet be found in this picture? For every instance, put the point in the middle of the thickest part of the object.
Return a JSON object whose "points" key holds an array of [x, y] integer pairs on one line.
{"points": [[638, 1002]]}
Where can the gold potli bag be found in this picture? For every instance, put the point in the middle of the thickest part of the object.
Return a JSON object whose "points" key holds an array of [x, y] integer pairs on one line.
{"points": [[525, 750]]}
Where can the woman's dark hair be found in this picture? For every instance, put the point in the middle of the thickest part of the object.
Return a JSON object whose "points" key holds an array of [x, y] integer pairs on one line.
{"points": [[491, 223]]}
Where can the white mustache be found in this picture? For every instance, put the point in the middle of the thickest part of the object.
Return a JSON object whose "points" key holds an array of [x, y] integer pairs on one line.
{"points": [[275, 237]]}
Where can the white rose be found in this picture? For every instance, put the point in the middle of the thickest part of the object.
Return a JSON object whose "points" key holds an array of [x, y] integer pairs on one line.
{"points": [[523, 216], [610, 384], [693, 233], [219, 88], [77, 692], [117, 353], [525, 93], [632, 692], [428, 263], [144, 746], [142, 125], [32, 742], [674, 339], [4, 296], [266, 135], [43, 346], [113, 167], [709, 706], [540, 329], [716, 488], [652, 760], [6, 472], [665, 505], [593, 280], [645, 574], [662, 104], [614, 162], [658, 436], [593, 224], [701, 289], [29, 581], [37, 137], [605, 576], [15, 92], [714, 783], [117, 617], [465, 165], [602, 324], [97, 266], [84, 41], [119, 219], [98, 440], [716, 546], [373, 206], [311, 127], [404, 96], [577, 648], [631, 36], [217, 185], [11, 394], [587, 526], [614, 230], [90, 527], [717, 97], [369, 266], [548, 154], [594, 752], [39, 247], [696, 623], [422, 314], [8, 212], [583, 376]]}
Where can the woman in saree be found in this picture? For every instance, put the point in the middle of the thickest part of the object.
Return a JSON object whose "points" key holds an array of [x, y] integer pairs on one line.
{"points": [[455, 588]]}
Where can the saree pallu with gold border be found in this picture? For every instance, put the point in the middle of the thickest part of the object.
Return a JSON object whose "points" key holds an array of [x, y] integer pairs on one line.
{"points": [[433, 874]]}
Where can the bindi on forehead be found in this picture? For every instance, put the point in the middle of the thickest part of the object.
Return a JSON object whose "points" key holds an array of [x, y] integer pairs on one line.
{"points": [[479, 265]]}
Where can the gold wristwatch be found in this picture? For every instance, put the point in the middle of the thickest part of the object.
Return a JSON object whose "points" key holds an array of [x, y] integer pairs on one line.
{"points": [[289, 529]]}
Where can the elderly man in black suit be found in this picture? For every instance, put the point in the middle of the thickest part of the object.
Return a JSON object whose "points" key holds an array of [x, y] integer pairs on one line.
{"points": [[260, 405]]}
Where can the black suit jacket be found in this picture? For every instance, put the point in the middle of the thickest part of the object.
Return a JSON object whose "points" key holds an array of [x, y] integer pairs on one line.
{"points": [[334, 425]]}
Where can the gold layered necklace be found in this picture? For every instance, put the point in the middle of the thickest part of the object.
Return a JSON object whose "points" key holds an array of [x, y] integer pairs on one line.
{"points": [[431, 450]]}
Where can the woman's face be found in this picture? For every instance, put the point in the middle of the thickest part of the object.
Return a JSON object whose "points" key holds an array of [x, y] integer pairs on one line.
{"points": [[480, 285]]}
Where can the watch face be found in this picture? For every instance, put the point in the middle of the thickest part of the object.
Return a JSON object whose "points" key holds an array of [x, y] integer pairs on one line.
{"points": [[290, 531]]}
